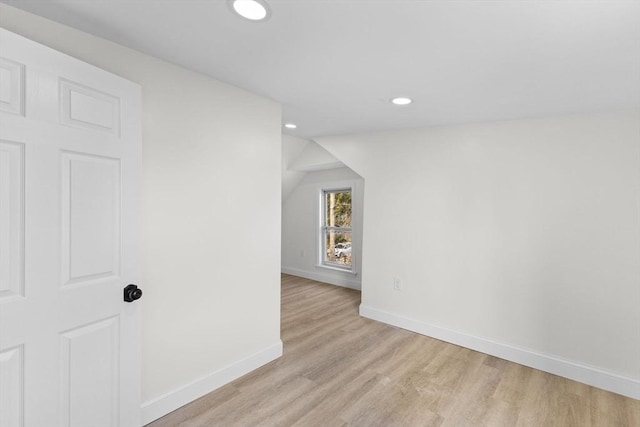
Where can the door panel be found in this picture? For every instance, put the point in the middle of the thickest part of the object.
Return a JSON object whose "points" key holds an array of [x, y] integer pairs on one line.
{"points": [[11, 387], [11, 87], [89, 392], [90, 217], [11, 219], [70, 154], [89, 108]]}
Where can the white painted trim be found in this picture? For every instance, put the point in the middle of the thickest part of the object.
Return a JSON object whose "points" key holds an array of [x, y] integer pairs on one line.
{"points": [[325, 278], [161, 406], [338, 269], [589, 375]]}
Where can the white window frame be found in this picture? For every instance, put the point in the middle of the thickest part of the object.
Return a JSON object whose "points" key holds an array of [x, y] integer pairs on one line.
{"points": [[321, 230]]}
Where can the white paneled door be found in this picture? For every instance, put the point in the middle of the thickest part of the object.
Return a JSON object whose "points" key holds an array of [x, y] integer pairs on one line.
{"points": [[70, 159]]}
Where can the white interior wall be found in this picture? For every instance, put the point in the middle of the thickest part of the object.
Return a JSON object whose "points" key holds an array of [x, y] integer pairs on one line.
{"points": [[211, 200], [517, 238], [300, 227], [292, 147]]}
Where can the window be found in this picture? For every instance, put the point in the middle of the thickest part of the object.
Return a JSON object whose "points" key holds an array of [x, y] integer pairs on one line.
{"points": [[335, 229]]}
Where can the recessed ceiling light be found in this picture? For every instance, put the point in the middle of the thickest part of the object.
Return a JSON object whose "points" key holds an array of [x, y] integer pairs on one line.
{"points": [[253, 10], [402, 101], [290, 126]]}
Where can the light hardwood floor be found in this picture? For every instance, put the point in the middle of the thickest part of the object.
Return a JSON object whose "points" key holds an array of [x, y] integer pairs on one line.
{"points": [[339, 369]]}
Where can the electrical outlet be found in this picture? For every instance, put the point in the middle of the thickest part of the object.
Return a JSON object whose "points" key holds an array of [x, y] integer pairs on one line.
{"points": [[397, 284]]}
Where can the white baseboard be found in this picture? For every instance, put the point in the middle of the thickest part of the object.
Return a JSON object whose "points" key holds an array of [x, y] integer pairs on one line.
{"points": [[589, 375], [161, 406], [324, 278]]}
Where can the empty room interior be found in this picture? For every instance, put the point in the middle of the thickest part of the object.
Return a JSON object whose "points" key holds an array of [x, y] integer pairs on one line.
{"points": [[319, 213]]}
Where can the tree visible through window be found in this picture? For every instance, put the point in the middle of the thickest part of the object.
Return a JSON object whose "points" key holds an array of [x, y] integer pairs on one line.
{"points": [[336, 228]]}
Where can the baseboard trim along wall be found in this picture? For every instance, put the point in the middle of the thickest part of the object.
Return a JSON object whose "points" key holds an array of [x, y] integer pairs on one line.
{"points": [[161, 406], [582, 373], [324, 278]]}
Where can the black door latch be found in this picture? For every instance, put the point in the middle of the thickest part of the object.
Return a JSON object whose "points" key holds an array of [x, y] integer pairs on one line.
{"points": [[132, 293]]}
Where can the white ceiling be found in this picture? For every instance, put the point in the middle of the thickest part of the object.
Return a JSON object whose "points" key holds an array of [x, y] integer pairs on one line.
{"points": [[334, 64]]}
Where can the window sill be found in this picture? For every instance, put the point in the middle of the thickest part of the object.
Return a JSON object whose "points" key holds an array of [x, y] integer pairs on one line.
{"points": [[340, 269]]}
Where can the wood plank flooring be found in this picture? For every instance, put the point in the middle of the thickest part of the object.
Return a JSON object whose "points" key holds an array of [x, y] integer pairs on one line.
{"points": [[339, 369]]}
